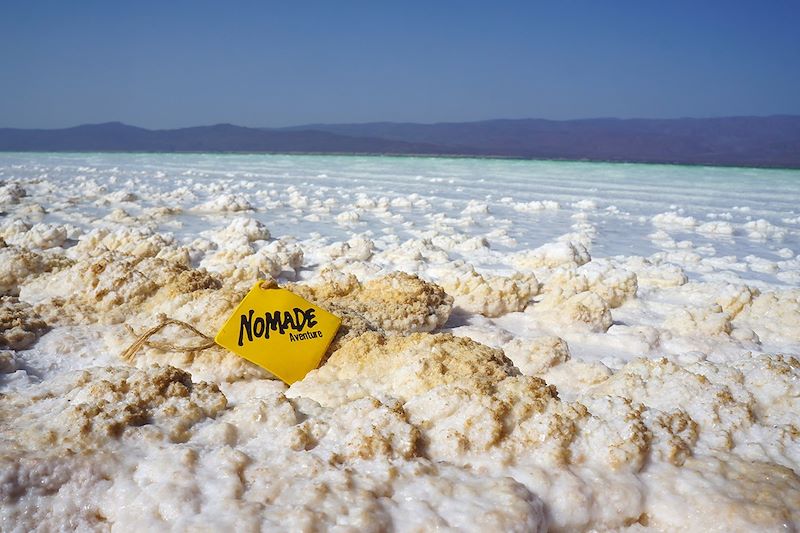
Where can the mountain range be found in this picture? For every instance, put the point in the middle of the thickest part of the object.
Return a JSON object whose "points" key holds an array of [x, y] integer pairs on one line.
{"points": [[772, 141]]}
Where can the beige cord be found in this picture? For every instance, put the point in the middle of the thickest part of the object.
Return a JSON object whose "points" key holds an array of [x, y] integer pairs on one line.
{"points": [[143, 339], [164, 321]]}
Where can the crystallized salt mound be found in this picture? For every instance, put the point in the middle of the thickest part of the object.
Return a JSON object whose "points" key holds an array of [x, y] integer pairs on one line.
{"points": [[586, 308], [613, 284], [58, 439], [773, 382], [358, 248], [225, 203], [535, 205], [353, 325], [160, 211], [716, 227], [655, 273], [19, 265], [20, 326], [552, 255], [673, 220], [97, 450], [205, 309], [115, 288], [39, 236], [711, 402], [87, 409], [567, 299], [652, 424], [733, 299], [536, 356], [347, 217], [120, 196], [302, 463], [11, 193], [13, 229], [8, 362], [458, 242], [239, 263], [721, 408], [118, 289], [121, 216], [135, 242], [111, 288], [761, 230], [240, 229], [562, 283], [574, 376], [711, 320], [19, 232], [115, 273], [491, 296], [396, 302], [413, 255], [375, 365], [774, 314]]}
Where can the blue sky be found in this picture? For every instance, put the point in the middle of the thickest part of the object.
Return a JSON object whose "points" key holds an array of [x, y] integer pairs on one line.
{"points": [[181, 63]]}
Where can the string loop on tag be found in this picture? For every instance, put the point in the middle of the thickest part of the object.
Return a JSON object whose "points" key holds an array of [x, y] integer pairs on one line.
{"points": [[164, 321]]}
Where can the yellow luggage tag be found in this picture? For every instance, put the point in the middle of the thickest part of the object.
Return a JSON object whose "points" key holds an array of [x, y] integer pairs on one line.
{"points": [[279, 331]]}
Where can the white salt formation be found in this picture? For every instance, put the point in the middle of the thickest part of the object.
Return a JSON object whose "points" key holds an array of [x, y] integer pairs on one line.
{"points": [[517, 352]]}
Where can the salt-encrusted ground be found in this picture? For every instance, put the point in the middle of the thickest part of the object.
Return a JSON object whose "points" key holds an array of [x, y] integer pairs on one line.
{"points": [[526, 345]]}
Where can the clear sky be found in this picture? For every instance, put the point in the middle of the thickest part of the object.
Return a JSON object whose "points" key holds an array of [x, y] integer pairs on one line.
{"points": [[165, 64]]}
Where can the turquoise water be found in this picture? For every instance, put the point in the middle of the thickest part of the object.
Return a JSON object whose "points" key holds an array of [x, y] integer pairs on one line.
{"points": [[619, 200]]}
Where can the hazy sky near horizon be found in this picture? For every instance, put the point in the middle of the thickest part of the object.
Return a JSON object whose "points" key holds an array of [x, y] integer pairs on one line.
{"points": [[182, 63]]}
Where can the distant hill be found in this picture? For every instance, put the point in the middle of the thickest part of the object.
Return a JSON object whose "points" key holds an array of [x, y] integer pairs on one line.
{"points": [[747, 141], [118, 137]]}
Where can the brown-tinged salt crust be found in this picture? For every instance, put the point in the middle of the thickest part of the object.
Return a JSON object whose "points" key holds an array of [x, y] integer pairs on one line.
{"points": [[397, 302], [651, 418], [85, 410], [149, 449], [129, 277], [20, 326], [19, 265], [565, 391]]}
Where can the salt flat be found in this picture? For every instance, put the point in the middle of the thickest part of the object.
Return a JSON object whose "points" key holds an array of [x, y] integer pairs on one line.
{"points": [[527, 344]]}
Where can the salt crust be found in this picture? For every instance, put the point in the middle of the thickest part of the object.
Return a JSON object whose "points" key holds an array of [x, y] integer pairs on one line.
{"points": [[397, 302], [19, 324], [403, 428], [226, 203], [11, 193], [19, 265], [92, 449], [536, 356], [472, 407], [489, 295], [552, 255], [38, 236], [129, 277], [774, 314]]}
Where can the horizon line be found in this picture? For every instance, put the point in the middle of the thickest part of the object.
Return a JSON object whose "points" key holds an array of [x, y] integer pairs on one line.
{"points": [[372, 122]]}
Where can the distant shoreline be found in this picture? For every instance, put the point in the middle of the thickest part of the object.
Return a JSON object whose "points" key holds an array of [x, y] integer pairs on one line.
{"points": [[406, 156], [744, 142]]}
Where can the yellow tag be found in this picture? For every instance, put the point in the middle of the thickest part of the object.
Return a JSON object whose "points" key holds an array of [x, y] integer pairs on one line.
{"points": [[279, 331]]}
